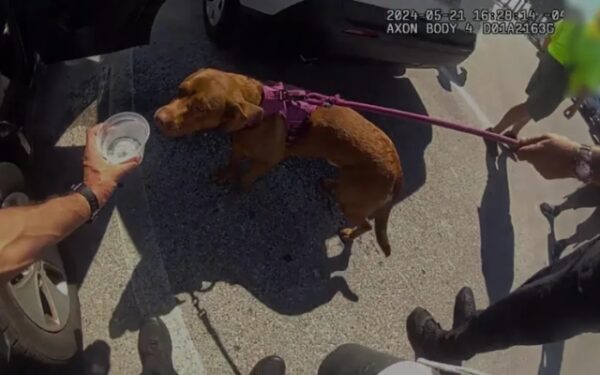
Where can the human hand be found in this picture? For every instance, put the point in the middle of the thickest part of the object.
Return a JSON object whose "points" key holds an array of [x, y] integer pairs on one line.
{"points": [[552, 155], [98, 174], [571, 111]]}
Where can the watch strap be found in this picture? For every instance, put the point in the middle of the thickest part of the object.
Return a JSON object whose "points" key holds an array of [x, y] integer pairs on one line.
{"points": [[90, 197]]}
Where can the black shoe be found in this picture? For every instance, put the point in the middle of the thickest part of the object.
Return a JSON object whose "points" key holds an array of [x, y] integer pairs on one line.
{"points": [[155, 348], [464, 307], [491, 146], [549, 211], [426, 336], [271, 365], [97, 358]]}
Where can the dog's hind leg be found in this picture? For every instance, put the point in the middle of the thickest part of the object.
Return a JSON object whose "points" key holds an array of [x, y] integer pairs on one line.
{"points": [[359, 194]]}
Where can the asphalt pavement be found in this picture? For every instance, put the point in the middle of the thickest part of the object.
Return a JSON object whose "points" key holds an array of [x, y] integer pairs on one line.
{"points": [[267, 266]]}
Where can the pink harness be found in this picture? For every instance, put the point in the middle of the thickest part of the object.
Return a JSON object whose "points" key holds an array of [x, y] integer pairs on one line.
{"points": [[281, 99], [296, 105]]}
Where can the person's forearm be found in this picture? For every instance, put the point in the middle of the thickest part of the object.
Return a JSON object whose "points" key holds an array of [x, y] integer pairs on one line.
{"points": [[26, 231]]}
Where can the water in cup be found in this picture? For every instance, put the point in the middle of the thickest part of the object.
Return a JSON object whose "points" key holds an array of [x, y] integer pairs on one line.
{"points": [[122, 149], [123, 137]]}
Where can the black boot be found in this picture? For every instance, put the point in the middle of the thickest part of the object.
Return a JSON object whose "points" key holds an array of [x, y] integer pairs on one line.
{"points": [[271, 365], [155, 348], [429, 340], [464, 307], [97, 358]]}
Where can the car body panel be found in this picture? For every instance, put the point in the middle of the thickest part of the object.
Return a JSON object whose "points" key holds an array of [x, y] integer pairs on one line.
{"points": [[270, 7]]}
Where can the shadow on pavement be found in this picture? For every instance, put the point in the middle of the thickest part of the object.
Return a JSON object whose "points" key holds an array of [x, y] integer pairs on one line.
{"points": [[587, 196], [497, 232]]}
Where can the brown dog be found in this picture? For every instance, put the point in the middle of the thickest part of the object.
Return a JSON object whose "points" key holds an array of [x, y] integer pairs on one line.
{"points": [[370, 172]]}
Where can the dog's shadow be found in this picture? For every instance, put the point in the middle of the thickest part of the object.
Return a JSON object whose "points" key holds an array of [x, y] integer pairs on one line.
{"points": [[279, 241]]}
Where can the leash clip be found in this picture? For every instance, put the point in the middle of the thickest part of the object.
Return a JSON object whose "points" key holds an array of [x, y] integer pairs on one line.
{"points": [[282, 95], [287, 95], [323, 100]]}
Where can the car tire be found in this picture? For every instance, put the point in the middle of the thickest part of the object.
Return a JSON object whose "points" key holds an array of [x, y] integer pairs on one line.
{"points": [[56, 338], [220, 18]]}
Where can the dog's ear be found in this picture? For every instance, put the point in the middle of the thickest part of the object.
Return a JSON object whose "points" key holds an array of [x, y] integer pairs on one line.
{"points": [[241, 113]]}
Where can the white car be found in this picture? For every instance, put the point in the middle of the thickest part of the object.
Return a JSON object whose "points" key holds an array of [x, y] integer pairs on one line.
{"points": [[422, 33]]}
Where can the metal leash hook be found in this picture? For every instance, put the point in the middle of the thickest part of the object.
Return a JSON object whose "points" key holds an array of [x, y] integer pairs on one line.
{"points": [[196, 303]]}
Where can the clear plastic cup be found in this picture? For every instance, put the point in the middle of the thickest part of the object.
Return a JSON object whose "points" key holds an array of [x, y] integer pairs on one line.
{"points": [[123, 137]]}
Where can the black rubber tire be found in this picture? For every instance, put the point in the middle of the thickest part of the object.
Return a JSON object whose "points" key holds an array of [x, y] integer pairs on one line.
{"points": [[224, 31], [26, 339]]}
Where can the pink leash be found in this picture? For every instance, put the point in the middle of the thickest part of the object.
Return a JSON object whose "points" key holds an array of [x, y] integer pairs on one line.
{"points": [[325, 100]]}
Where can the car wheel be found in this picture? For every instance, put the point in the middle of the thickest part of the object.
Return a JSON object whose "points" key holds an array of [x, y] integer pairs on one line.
{"points": [[39, 309], [220, 18]]}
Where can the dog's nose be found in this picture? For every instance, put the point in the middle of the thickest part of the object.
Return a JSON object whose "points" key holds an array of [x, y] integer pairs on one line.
{"points": [[162, 117]]}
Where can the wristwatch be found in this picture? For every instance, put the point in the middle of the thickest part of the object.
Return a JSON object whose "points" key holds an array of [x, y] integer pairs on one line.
{"points": [[90, 197], [583, 164]]}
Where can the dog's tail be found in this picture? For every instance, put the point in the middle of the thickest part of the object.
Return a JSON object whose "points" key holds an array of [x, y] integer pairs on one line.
{"points": [[382, 216]]}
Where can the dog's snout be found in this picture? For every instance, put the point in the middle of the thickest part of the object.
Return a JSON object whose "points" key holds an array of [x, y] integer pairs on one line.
{"points": [[162, 117]]}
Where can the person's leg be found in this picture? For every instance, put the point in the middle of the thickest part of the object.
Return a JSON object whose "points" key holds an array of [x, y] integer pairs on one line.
{"points": [[549, 307], [515, 116], [519, 125], [155, 348]]}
